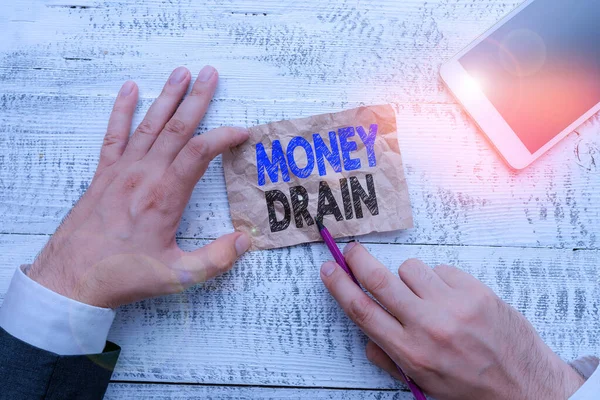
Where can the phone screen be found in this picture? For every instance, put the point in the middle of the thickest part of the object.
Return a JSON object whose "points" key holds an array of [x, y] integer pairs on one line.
{"points": [[541, 69]]}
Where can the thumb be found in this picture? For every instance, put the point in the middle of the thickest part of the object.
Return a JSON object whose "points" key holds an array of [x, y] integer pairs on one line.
{"points": [[213, 259]]}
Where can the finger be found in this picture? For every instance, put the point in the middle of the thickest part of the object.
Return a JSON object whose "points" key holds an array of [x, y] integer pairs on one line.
{"points": [[454, 277], [180, 128], [377, 323], [421, 279], [119, 125], [378, 357], [192, 161], [159, 113], [390, 291], [213, 259]]}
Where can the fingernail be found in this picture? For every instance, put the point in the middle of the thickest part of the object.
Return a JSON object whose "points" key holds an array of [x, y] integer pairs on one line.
{"points": [[242, 244], [178, 75], [350, 246], [328, 268], [206, 73], [126, 89]]}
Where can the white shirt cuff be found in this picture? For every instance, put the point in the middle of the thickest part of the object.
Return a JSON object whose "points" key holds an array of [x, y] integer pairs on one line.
{"points": [[47, 320], [591, 387]]}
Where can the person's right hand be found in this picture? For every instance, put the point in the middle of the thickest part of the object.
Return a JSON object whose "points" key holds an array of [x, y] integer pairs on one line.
{"points": [[447, 331], [118, 244]]}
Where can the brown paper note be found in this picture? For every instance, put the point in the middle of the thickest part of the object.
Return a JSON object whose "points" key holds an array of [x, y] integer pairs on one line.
{"points": [[344, 168]]}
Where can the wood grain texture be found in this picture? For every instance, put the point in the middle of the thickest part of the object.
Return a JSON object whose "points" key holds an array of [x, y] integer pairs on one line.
{"points": [[270, 321], [63, 63], [460, 190], [185, 392], [273, 49]]}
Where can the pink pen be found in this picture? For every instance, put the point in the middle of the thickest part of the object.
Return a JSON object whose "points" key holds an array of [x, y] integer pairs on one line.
{"points": [[339, 259]]}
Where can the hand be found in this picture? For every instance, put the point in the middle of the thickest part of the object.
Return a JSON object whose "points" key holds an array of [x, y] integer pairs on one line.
{"points": [[118, 245], [447, 331]]}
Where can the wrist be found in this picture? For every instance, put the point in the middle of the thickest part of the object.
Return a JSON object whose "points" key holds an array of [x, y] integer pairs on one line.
{"points": [[551, 378], [560, 384], [51, 278]]}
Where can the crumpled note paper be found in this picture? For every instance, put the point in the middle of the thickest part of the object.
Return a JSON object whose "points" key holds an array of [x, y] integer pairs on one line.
{"points": [[343, 168]]}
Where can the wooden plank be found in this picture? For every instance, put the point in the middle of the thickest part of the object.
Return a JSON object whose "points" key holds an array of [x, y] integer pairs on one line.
{"points": [[281, 65], [275, 50], [270, 321], [461, 192], [175, 392]]}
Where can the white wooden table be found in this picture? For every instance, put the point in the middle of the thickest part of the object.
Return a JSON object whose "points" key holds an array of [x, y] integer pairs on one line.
{"points": [[269, 329]]}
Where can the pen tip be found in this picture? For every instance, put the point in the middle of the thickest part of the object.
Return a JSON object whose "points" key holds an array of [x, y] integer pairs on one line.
{"points": [[320, 225]]}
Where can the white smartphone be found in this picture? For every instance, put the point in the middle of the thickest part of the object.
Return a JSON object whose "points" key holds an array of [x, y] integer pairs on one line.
{"points": [[533, 78]]}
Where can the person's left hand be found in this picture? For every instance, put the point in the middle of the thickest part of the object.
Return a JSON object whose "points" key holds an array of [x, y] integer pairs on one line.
{"points": [[118, 245]]}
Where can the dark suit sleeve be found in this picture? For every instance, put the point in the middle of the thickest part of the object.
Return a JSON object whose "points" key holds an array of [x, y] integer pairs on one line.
{"points": [[27, 372]]}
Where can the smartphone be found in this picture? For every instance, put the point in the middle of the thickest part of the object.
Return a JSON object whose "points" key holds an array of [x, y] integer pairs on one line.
{"points": [[533, 78]]}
